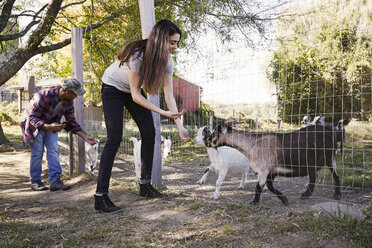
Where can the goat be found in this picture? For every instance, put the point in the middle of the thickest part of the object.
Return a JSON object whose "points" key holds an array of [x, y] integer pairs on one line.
{"points": [[319, 120], [137, 156], [340, 134], [165, 149], [166, 145], [339, 129], [299, 153], [91, 156], [223, 160], [306, 120]]}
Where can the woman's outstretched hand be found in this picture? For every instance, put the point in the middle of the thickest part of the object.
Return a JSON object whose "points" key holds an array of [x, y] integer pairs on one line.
{"points": [[181, 130], [183, 134], [175, 115]]}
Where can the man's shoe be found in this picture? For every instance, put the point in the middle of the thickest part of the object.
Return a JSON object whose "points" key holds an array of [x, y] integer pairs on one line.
{"points": [[103, 204], [37, 185], [57, 185], [146, 190]]}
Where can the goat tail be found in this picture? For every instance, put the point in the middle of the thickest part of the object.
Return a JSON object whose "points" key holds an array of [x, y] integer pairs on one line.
{"points": [[334, 164]]}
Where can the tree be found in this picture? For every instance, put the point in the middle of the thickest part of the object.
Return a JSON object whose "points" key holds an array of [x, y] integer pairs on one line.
{"points": [[116, 22], [322, 62]]}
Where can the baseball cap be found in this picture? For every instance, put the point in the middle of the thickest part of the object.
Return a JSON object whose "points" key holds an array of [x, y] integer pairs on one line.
{"points": [[72, 84]]}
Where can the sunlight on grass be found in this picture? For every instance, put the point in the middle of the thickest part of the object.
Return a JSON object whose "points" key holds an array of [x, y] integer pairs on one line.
{"points": [[13, 133]]}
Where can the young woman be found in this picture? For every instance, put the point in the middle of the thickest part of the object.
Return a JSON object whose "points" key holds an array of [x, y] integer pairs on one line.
{"points": [[143, 63]]}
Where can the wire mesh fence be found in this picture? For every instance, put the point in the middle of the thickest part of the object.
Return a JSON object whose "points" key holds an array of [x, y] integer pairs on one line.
{"points": [[269, 90]]}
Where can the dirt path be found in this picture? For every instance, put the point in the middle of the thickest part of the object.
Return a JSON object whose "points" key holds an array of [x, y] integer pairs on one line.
{"points": [[188, 218]]}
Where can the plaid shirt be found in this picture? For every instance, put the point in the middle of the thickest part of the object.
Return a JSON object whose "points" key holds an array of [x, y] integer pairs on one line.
{"points": [[40, 112]]}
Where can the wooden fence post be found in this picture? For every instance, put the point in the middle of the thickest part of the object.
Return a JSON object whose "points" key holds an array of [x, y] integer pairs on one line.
{"points": [[77, 72], [147, 13]]}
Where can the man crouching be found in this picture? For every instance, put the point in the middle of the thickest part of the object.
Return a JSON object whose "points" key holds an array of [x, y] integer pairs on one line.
{"points": [[40, 126]]}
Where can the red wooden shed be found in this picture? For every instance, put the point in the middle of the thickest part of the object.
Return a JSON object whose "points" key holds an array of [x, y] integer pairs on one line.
{"points": [[189, 93]]}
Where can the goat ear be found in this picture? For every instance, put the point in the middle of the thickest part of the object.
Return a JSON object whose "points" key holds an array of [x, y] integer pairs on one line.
{"points": [[225, 130], [210, 127], [230, 122], [219, 128], [229, 129]]}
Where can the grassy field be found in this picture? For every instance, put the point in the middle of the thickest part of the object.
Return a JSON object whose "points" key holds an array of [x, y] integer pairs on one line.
{"points": [[187, 218]]}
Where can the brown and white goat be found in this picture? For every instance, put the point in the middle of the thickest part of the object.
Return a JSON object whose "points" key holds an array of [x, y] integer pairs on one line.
{"points": [[296, 154]]}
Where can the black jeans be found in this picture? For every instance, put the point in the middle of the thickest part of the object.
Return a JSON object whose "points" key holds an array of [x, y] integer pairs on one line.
{"points": [[114, 101]]}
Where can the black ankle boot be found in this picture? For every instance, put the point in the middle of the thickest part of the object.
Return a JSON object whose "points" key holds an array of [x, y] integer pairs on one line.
{"points": [[103, 204], [147, 190]]}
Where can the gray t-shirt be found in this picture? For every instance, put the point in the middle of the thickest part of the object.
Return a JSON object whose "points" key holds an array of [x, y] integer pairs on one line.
{"points": [[118, 76]]}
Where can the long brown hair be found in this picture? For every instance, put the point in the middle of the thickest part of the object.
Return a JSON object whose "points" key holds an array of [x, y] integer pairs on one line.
{"points": [[155, 54]]}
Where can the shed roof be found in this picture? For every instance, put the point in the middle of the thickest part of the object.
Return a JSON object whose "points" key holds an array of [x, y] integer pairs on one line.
{"points": [[52, 82]]}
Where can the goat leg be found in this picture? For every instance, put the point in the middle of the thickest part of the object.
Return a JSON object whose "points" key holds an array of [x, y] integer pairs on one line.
{"points": [[204, 177], [262, 177], [257, 195], [310, 187], [244, 179], [337, 194], [221, 177], [279, 194]]}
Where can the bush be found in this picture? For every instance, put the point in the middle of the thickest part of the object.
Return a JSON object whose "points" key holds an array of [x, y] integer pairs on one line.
{"points": [[199, 116], [9, 113]]}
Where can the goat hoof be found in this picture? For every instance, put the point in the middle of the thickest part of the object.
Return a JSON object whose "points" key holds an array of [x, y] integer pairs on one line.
{"points": [[254, 202], [285, 201], [200, 183], [337, 197]]}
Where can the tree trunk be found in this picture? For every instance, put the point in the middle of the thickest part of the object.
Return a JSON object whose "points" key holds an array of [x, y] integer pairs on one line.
{"points": [[3, 139]]}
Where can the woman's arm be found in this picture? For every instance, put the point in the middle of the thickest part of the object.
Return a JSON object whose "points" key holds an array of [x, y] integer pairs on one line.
{"points": [[135, 90], [172, 106]]}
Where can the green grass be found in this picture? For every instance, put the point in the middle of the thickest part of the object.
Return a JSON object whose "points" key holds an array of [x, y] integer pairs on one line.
{"points": [[321, 226], [218, 224], [354, 168], [12, 132]]}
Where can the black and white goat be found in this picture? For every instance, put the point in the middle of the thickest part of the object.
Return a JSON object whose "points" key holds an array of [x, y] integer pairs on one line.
{"points": [[319, 120], [294, 154], [224, 160], [166, 145]]}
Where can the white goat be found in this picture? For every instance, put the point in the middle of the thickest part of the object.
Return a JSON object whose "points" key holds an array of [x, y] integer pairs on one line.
{"points": [[223, 160], [137, 156], [166, 145], [306, 120], [91, 156], [165, 150]]}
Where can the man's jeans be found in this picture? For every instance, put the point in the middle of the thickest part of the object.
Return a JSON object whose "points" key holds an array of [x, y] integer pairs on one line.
{"points": [[114, 102], [49, 140]]}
